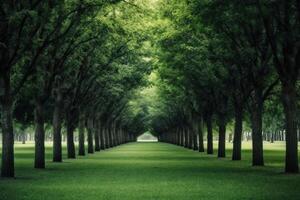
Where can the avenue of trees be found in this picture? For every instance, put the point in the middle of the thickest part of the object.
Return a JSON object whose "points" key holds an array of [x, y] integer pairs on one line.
{"points": [[106, 71], [229, 62]]}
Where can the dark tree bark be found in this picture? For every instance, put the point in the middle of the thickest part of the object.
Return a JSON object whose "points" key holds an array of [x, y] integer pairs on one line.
{"points": [[195, 134], [90, 129], [113, 136], [39, 161], [182, 137], [7, 163], [122, 136], [70, 123], [178, 136], [107, 145], [191, 137], [290, 111], [238, 128], [110, 137], [222, 137], [102, 137], [23, 137], [186, 138], [200, 136], [97, 136], [257, 139], [209, 134], [81, 139], [70, 142], [117, 133], [57, 120]]}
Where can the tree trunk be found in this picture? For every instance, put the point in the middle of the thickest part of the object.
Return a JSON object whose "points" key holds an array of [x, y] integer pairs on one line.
{"points": [[178, 136], [209, 135], [90, 129], [272, 136], [81, 139], [110, 137], [186, 138], [113, 137], [57, 120], [238, 128], [222, 137], [191, 137], [107, 145], [182, 137], [115, 134], [7, 166], [257, 139], [23, 138], [177, 132], [123, 136], [102, 137], [70, 137], [97, 136], [200, 136], [195, 134], [290, 111], [39, 161]]}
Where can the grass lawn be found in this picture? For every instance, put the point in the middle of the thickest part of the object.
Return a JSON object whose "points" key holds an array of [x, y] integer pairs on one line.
{"points": [[155, 171]]}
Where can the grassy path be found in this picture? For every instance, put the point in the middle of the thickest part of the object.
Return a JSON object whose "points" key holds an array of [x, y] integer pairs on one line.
{"points": [[155, 171]]}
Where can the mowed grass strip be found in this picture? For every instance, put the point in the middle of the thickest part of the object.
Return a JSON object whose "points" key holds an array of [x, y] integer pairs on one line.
{"points": [[155, 171]]}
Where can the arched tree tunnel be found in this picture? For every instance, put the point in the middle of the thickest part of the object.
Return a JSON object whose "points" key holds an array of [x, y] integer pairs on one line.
{"points": [[209, 76]]}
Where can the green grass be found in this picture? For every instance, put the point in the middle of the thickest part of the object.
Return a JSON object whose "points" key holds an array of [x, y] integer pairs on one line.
{"points": [[155, 171]]}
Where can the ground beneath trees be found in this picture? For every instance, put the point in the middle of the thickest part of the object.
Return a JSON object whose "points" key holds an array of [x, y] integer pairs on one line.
{"points": [[150, 171]]}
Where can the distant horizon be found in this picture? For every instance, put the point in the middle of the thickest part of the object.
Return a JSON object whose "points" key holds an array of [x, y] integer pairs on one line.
{"points": [[147, 137]]}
